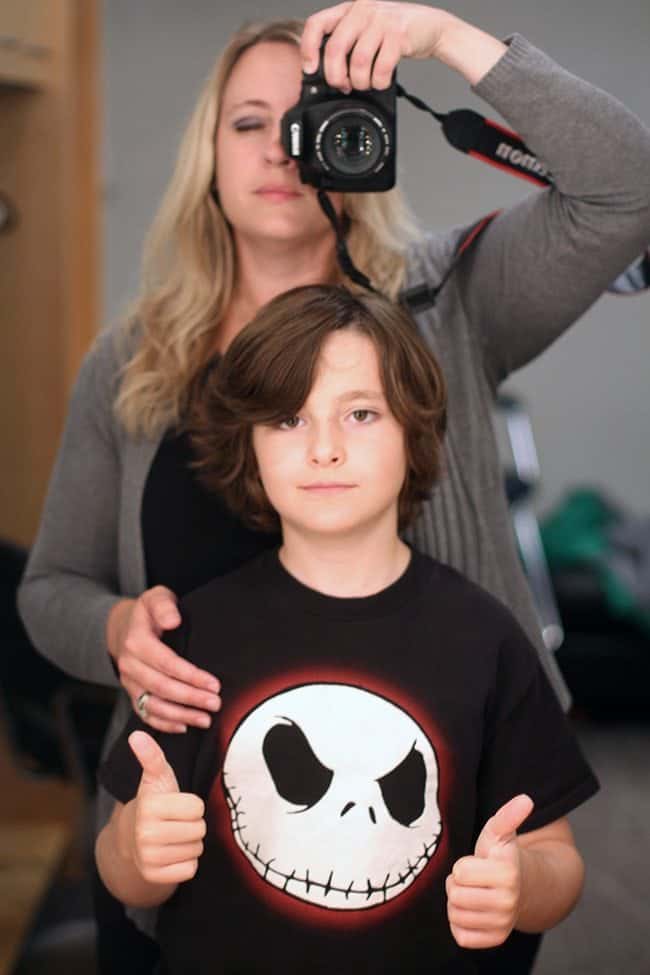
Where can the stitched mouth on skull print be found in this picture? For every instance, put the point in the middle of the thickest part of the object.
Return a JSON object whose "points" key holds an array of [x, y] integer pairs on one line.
{"points": [[332, 792]]}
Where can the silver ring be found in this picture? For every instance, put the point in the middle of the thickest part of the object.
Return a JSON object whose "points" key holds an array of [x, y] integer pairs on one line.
{"points": [[141, 704]]}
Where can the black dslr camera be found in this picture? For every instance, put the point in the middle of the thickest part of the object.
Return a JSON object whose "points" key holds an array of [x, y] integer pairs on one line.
{"points": [[342, 142]]}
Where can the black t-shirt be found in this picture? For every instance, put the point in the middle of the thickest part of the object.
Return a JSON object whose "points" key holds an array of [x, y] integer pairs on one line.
{"points": [[361, 746]]}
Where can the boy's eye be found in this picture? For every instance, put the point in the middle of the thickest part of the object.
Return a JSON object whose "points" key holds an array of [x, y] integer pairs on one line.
{"points": [[290, 423], [363, 416]]}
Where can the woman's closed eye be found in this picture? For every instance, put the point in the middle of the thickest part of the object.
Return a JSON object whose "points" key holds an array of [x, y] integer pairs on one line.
{"points": [[248, 124]]}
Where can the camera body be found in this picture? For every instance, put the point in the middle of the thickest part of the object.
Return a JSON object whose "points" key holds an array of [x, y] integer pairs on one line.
{"points": [[342, 142]]}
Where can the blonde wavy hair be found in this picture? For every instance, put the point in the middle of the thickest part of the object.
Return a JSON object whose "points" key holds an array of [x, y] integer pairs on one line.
{"points": [[189, 268]]}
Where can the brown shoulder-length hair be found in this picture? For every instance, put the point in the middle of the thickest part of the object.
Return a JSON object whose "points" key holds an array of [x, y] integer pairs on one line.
{"points": [[267, 373]]}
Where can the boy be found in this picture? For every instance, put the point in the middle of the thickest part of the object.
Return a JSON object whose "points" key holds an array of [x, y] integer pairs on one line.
{"points": [[386, 730]]}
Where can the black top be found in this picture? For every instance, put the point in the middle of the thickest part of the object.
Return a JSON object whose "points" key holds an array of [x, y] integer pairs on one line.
{"points": [[189, 535], [362, 745]]}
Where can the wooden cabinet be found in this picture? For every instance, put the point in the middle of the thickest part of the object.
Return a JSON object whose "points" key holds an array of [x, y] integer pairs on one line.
{"points": [[49, 255], [27, 42]]}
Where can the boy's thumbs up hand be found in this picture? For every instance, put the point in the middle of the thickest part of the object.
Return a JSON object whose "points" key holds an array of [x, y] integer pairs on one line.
{"points": [[157, 774], [484, 890], [165, 826], [498, 838]]}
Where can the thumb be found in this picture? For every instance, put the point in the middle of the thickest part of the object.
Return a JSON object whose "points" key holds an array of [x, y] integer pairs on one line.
{"points": [[157, 774], [160, 607], [501, 829]]}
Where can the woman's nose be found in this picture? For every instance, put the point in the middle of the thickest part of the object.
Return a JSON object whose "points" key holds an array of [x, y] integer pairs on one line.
{"points": [[274, 153]]}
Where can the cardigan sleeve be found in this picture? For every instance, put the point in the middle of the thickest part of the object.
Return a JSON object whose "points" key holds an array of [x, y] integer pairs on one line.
{"points": [[71, 579], [542, 262]]}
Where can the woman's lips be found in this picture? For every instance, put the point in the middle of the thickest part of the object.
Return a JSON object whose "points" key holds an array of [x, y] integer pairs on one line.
{"points": [[278, 194]]}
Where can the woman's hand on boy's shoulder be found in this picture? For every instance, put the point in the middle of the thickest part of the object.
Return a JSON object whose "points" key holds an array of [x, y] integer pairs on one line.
{"points": [[168, 692]]}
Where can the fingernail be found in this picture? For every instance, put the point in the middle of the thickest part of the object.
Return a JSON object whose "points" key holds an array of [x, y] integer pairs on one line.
{"points": [[204, 721], [214, 685], [308, 67], [213, 703], [181, 727]]}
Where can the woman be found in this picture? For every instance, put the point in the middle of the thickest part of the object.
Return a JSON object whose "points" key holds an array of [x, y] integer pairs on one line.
{"points": [[125, 524]]}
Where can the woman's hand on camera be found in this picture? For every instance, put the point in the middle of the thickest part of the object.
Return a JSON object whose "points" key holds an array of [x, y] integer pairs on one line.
{"points": [[369, 37], [178, 693]]}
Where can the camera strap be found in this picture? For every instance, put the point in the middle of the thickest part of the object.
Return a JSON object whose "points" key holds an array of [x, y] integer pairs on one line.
{"points": [[473, 134], [492, 143], [415, 299], [477, 136], [423, 296], [342, 253]]}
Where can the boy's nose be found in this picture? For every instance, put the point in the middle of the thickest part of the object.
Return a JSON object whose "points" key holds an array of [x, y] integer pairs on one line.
{"points": [[326, 449], [324, 457]]}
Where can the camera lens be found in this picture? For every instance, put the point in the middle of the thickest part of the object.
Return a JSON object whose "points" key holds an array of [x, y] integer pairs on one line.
{"points": [[352, 143]]}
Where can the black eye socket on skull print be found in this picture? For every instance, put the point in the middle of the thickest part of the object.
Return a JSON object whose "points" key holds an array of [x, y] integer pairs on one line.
{"points": [[297, 774], [403, 788], [301, 779]]}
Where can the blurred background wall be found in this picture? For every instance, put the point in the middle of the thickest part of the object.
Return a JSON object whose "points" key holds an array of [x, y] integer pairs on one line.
{"points": [[50, 211], [589, 396]]}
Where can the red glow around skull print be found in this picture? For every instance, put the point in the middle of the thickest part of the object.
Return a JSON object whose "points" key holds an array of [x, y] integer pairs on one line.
{"points": [[333, 795]]}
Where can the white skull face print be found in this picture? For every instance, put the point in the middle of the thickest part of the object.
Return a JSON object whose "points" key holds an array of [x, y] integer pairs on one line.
{"points": [[333, 795]]}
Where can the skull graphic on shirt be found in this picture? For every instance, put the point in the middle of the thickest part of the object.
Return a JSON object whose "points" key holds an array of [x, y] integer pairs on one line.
{"points": [[333, 795]]}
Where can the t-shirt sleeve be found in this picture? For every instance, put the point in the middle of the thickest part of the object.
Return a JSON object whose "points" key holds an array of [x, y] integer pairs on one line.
{"points": [[120, 773], [530, 746]]}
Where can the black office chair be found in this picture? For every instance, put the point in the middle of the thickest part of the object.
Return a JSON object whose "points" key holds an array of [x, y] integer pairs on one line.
{"points": [[55, 726]]}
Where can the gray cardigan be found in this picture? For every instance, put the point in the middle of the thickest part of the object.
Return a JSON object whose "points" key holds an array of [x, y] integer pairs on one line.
{"points": [[535, 270]]}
